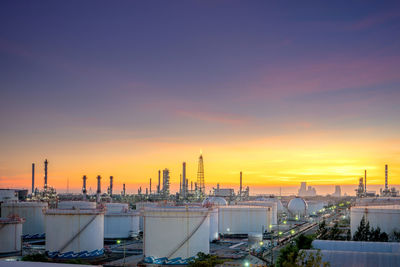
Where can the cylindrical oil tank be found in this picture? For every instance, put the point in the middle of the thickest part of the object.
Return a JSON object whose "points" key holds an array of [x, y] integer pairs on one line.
{"points": [[76, 205], [272, 205], [120, 222], [173, 232], [254, 239], [139, 207], [32, 212], [10, 235], [387, 217], [213, 224], [74, 233], [243, 219]]}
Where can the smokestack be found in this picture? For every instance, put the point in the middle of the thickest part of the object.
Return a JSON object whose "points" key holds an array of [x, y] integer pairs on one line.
{"points": [[123, 189], [159, 179], [84, 191], [184, 178], [365, 178], [386, 177], [45, 174], [150, 186], [240, 189], [33, 178], [180, 184], [191, 185], [111, 185], [98, 189]]}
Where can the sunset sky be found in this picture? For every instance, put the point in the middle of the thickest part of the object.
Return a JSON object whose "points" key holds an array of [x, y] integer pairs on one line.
{"points": [[301, 91]]}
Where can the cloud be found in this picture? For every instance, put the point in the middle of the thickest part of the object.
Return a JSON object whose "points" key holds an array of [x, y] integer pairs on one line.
{"points": [[222, 118]]}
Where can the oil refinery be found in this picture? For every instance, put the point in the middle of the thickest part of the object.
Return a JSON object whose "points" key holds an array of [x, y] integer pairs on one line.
{"points": [[161, 228]]}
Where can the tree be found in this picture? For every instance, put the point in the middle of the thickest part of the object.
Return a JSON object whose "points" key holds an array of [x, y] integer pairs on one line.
{"points": [[310, 259], [288, 255], [334, 233], [205, 260], [322, 230], [364, 233]]}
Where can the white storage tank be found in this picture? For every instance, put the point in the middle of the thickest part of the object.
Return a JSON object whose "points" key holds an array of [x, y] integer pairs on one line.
{"points": [[74, 233], [32, 212], [10, 235], [214, 201], [139, 207], [243, 219], [278, 202], [254, 239], [173, 232], [270, 204], [120, 222], [387, 217], [297, 207], [76, 205], [213, 224]]}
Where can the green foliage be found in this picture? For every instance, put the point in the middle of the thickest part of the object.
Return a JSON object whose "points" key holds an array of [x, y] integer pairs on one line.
{"points": [[396, 236], [322, 232], [365, 233], [205, 260], [288, 255], [334, 233], [310, 260]]}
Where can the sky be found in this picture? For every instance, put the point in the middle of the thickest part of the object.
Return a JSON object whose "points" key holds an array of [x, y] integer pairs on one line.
{"points": [[283, 91]]}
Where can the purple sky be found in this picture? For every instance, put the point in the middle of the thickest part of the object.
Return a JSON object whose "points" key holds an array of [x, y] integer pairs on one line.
{"points": [[82, 71]]}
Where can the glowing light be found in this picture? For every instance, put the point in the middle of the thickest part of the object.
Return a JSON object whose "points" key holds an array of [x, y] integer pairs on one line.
{"points": [[292, 231], [280, 233], [227, 229], [284, 222], [246, 263], [261, 243], [118, 241]]}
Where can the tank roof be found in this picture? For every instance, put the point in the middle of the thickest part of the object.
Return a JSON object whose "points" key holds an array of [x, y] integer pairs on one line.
{"points": [[377, 208], [24, 204]]}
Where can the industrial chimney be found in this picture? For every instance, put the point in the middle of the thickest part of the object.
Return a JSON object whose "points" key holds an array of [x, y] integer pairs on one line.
{"points": [[123, 189], [33, 178], [386, 178], [84, 191], [184, 178], [98, 189], [45, 174], [240, 188], [111, 185], [159, 180], [365, 178], [150, 186]]}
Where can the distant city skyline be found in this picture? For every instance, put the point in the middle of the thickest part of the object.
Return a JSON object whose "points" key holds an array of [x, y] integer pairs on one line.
{"points": [[306, 92]]}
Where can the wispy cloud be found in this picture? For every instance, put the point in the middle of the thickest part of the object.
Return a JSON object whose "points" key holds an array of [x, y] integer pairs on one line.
{"points": [[222, 118]]}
